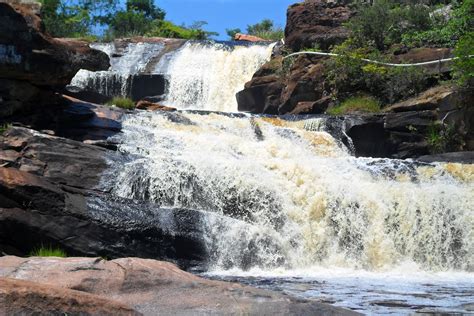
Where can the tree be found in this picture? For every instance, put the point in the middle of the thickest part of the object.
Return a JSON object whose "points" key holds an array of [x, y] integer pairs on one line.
{"points": [[266, 30], [265, 25], [233, 32], [147, 7]]}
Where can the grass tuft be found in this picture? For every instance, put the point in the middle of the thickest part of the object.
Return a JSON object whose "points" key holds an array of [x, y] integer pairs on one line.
{"points": [[48, 252], [4, 127], [124, 103], [365, 104]]}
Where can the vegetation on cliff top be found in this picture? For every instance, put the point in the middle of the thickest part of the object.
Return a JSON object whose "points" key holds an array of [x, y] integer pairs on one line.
{"points": [[82, 18], [383, 28], [265, 29]]}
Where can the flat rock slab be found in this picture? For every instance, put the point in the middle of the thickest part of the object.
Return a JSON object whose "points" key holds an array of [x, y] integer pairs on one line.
{"points": [[147, 286]]}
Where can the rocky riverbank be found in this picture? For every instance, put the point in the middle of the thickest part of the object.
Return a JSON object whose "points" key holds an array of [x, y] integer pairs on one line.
{"points": [[132, 286], [300, 85]]}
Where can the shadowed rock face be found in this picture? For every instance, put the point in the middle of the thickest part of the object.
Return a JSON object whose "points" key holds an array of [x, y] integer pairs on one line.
{"points": [[50, 194], [33, 65], [141, 286]]}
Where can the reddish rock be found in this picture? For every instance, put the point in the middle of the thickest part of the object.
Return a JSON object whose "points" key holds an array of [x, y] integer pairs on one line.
{"points": [[19, 297], [150, 287], [419, 55], [150, 106], [316, 22], [248, 38]]}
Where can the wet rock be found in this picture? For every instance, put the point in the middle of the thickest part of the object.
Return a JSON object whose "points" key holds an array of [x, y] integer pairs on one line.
{"points": [[316, 22], [150, 106], [51, 194], [152, 287], [143, 85], [466, 157]]}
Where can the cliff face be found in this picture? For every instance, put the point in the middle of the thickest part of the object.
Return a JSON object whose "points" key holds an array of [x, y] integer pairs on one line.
{"points": [[299, 85], [316, 22], [33, 65]]}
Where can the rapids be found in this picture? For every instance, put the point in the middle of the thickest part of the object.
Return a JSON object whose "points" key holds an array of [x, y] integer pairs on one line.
{"points": [[288, 207]]}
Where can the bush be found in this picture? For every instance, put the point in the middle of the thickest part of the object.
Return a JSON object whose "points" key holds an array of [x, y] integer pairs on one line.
{"points": [[443, 138], [444, 32], [383, 23], [4, 128], [48, 252], [464, 65], [366, 104], [266, 30], [124, 103], [348, 73]]}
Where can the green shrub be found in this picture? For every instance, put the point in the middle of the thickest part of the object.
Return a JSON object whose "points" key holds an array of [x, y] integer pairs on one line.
{"points": [[444, 32], [443, 138], [348, 73], [124, 103], [4, 127], [464, 66], [366, 104], [48, 252], [383, 22]]}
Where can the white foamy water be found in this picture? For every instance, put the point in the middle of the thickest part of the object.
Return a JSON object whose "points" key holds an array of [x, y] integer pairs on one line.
{"points": [[290, 209], [130, 60], [207, 75], [295, 198]]}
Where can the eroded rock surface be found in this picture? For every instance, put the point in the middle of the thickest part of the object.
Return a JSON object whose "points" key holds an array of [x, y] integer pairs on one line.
{"points": [[149, 287], [33, 65]]}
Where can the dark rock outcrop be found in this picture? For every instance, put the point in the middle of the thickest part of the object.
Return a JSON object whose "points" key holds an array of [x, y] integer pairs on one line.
{"points": [[132, 286], [316, 22], [33, 66], [50, 193]]}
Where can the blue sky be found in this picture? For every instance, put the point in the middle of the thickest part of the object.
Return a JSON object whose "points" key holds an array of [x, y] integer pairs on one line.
{"points": [[222, 14]]}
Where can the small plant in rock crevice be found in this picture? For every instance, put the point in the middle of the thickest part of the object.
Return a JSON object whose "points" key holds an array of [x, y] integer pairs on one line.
{"points": [[124, 103], [48, 251], [443, 138]]}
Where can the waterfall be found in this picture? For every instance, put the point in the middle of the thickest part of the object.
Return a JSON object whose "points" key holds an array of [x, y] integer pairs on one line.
{"points": [[124, 62], [287, 194], [207, 75], [202, 75]]}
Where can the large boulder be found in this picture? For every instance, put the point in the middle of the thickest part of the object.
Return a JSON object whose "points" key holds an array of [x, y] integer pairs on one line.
{"points": [[50, 193], [132, 286], [316, 22], [33, 66], [19, 297]]}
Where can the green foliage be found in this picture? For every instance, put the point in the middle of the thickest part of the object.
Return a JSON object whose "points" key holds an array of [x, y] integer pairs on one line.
{"points": [[48, 252], [62, 20], [129, 23], [4, 128], [464, 65], [347, 73], [170, 30], [383, 22], [444, 32], [266, 30], [124, 103], [232, 33], [366, 104], [147, 8], [443, 138]]}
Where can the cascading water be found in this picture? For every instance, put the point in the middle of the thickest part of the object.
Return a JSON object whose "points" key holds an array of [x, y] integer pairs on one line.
{"points": [[130, 60], [283, 198], [207, 75], [295, 198]]}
